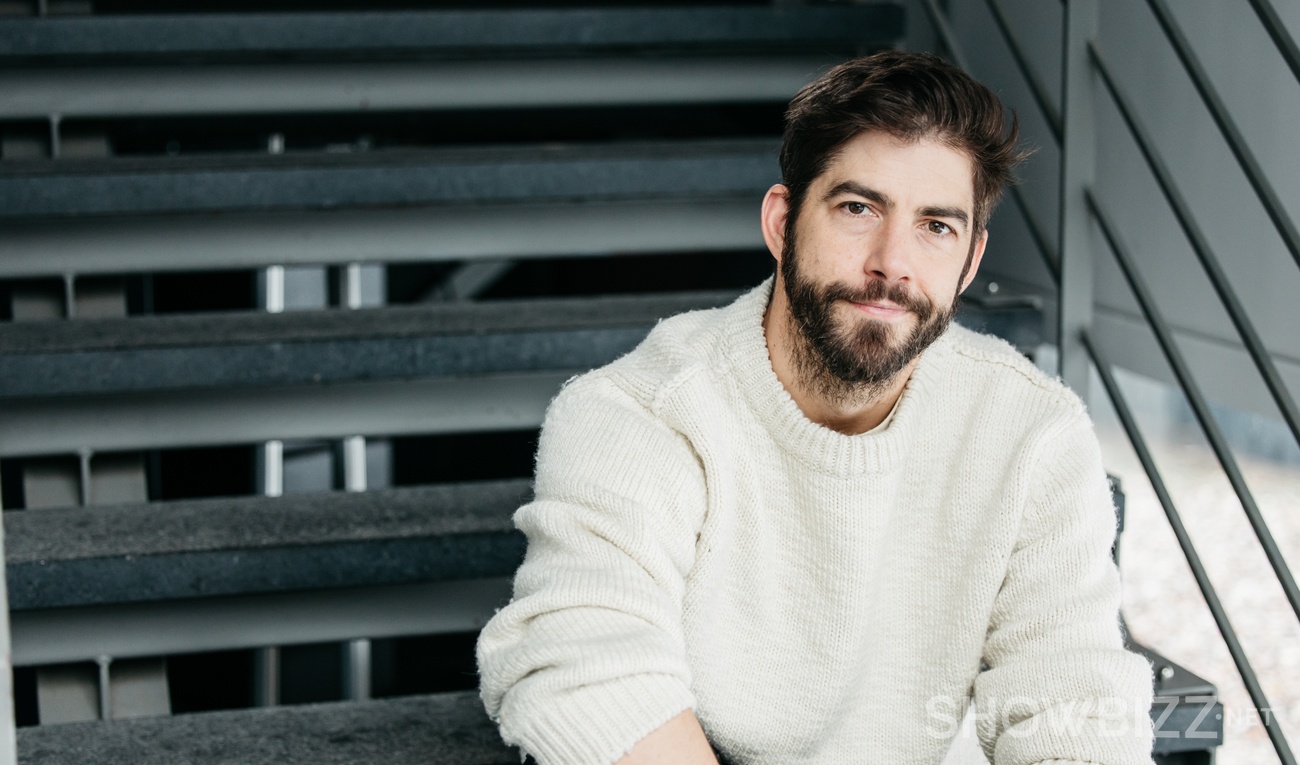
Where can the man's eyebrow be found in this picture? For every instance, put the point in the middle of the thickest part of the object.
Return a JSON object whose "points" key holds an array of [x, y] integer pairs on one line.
{"points": [[853, 187], [954, 213]]}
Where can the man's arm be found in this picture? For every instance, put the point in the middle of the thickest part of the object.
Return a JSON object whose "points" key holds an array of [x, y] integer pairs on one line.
{"points": [[680, 741], [590, 658], [1060, 687]]}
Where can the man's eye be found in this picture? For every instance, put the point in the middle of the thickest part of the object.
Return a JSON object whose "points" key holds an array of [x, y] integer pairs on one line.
{"points": [[855, 208], [938, 227]]}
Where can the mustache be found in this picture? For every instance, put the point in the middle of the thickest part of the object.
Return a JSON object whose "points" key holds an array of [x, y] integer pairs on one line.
{"points": [[877, 290]]}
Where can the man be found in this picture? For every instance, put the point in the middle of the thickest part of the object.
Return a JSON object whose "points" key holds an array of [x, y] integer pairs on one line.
{"points": [[809, 526]]}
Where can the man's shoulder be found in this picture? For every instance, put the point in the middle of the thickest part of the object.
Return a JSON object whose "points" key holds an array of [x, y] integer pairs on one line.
{"points": [[996, 363], [676, 349]]}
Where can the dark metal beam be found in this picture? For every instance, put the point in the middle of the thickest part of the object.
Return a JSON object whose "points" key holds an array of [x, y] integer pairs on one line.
{"points": [[447, 32], [1042, 243], [1276, 28], [1078, 168]]}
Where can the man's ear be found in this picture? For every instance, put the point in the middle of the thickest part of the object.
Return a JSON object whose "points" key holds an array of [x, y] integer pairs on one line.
{"points": [[977, 255], [776, 206]]}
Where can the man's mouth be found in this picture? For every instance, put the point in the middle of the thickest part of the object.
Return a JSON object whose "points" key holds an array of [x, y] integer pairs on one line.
{"points": [[880, 309]]}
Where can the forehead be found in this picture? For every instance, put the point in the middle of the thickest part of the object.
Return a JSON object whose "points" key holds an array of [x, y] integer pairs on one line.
{"points": [[925, 171]]}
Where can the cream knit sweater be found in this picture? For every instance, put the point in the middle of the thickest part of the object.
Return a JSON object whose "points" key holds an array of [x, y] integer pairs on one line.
{"points": [[696, 541]]}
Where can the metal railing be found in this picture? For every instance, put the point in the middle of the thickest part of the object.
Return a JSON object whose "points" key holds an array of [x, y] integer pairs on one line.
{"points": [[1059, 263], [1201, 408], [1230, 302], [1286, 44]]}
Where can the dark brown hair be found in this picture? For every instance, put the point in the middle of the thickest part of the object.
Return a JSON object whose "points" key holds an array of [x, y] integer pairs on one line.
{"points": [[911, 96]]}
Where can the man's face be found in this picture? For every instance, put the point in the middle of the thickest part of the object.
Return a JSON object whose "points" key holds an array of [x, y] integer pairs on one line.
{"points": [[875, 261]]}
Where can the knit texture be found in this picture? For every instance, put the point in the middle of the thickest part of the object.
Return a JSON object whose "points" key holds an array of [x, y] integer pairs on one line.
{"points": [[696, 541]]}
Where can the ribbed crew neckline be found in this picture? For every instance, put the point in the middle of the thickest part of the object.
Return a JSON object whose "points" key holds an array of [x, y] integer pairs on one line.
{"points": [[818, 446]]}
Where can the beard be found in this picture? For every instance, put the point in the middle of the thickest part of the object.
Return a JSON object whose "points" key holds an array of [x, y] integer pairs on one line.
{"points": [[854, 360]]}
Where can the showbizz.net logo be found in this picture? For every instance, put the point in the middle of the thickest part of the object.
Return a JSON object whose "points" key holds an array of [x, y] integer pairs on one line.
{"points": [[1189, 717]]}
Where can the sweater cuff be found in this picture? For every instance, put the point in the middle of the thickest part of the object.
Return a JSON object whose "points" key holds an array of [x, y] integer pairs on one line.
{"points": [[598, 724]]}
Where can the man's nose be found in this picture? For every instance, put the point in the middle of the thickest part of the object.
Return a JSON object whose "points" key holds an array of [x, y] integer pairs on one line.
{"points": [[887, 253]]}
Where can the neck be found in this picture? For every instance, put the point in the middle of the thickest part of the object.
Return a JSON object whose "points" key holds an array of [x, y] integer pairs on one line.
{"points": [[848, 408]]}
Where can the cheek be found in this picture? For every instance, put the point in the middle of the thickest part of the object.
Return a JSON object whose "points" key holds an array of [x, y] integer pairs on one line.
{"points": [[839, 246], [823, 251], [938, 285]]}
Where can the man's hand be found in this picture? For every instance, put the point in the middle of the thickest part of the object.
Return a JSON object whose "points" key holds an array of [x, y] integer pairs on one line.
{"points": [[681, 741]]}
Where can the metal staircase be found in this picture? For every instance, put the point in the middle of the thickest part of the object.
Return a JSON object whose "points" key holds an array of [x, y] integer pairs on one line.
{"points": [[286, 290]]}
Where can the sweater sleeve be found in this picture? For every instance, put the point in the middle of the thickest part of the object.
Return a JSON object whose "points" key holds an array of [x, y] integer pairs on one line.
{"points": [[589, 657], [1060, 687]]}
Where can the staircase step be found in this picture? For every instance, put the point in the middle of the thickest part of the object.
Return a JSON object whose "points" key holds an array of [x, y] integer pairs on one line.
{"points": [[132, 553], [454, 33], [450, 728], [288, 88], [235, 622], [62, 358], [442, 728], [437, 176], [199, 241], [214, 417]]}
